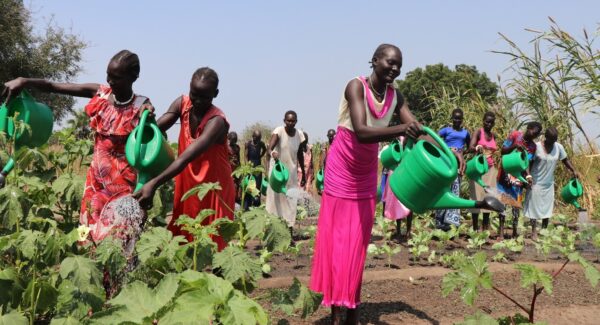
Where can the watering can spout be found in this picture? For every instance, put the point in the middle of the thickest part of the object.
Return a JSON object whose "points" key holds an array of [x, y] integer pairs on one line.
{"points": [[451, 201]]}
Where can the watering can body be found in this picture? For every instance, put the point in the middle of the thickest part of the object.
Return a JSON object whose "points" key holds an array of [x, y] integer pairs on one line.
{"points": [[476, 168], [263, 186], [571, 192], [422, 181], [37, 116], [147, 150], [320, 183], [391, 156], [279, 177], [516, 163]]}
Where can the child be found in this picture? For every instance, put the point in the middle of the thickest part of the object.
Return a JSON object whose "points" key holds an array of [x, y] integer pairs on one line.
{"points": [[255, 150], [203, 155], [234, 161], [306, 151]]}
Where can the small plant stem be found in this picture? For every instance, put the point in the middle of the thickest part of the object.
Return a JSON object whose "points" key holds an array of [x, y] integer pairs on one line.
{"points": [[194, 257], [511, 299], [555, 274]]}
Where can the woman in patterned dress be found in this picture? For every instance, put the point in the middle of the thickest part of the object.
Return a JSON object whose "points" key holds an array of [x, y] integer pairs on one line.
{"points": [[114, 111]]}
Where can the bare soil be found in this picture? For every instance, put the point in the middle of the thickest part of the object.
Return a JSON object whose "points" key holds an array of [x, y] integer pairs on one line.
{"points": [[409, 292]]}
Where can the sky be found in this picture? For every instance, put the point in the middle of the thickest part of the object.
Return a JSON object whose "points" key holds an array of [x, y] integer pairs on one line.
{"points": [[272, 56]]}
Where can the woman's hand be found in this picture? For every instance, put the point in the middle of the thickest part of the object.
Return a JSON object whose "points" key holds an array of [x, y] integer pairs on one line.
{"points": [[149, 107], [414, 129], [145, 196], [479, 148], [303, 180], [275, 155], [13, 88]]}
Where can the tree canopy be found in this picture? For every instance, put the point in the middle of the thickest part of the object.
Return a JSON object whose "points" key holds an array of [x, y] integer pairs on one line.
{"points": [[421, 86], [54, 55]]}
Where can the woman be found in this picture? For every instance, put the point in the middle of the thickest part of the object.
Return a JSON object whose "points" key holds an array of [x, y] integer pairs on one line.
{"points": [[203, 155], [509, 187], [114, 112], [457, 138], [348, 202], [284, 146], [539, 200], [484, 142], [306, 151]]}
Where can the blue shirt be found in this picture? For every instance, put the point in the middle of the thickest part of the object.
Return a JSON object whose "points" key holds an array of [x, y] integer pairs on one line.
{"points": [[455, 139]]}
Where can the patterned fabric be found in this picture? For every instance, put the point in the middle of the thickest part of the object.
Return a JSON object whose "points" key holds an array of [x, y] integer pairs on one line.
{"points": [[508, 184], [308, 169], [211, 166], [109, 176]]}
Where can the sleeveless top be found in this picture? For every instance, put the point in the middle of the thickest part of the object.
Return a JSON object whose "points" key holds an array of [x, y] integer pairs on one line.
{"points": [[351, 169], [378, 113], [210, 166], [488, 146]]}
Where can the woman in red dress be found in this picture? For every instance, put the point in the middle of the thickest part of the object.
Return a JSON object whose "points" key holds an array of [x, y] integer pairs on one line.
{"points": [[114, 112], [203, 155]]}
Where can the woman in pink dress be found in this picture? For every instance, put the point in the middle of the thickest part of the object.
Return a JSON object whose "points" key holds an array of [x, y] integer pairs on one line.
{"points": [[348, 203], [114, 111]]}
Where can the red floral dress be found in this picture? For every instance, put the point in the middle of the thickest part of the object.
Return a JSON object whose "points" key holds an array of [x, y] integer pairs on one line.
{"points": [[110, 175]]}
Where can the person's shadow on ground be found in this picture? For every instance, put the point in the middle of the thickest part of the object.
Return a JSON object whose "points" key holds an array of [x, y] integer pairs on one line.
{"points": [[370, 313]]}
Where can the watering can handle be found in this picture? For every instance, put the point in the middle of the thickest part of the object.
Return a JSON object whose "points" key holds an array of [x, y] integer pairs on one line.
{"points": [[453, 164], [139, 134]]}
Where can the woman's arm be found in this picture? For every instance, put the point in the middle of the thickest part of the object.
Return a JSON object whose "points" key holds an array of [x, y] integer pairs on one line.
{"points": [[215, 130], [14, 87], [570, 167], [366, 134], [169, 118], [272, 144], [473, 144]]}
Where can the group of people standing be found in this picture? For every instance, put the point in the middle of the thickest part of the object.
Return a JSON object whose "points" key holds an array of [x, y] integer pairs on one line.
{"points": [[208, 152]]}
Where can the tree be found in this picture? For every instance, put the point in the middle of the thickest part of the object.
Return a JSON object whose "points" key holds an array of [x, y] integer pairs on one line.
{"points": [[80, 123], [54, 55], [421, 86]]}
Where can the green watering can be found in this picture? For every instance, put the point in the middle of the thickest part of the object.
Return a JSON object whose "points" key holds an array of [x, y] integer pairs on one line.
{"points": [[263, 186], [37, 116], [279, 177], [516, 163], [147, 150], [477, 167], [390, 157], [571, 192], [320, 183], [422, 181]]}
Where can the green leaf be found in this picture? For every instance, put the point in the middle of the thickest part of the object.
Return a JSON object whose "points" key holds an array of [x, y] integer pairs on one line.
{"points": [[110, 254], [157, 239], [65, 321], [44, 292], [82, 271], [14, 206], [244, 311], [277, 235], [30, 242], [590, 271], [13, 318], [238, 267], [73, 302], [479, 318], [201, 190], [255, 221], [137, 303], [531, 275], [298, 297], [468, 278]]}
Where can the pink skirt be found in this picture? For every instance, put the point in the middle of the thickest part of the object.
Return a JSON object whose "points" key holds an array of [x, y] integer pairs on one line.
{"points": [[343, 234]]}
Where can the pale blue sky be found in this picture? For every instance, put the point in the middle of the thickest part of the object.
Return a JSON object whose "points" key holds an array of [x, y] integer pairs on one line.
{"points": [[272, 56]]}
